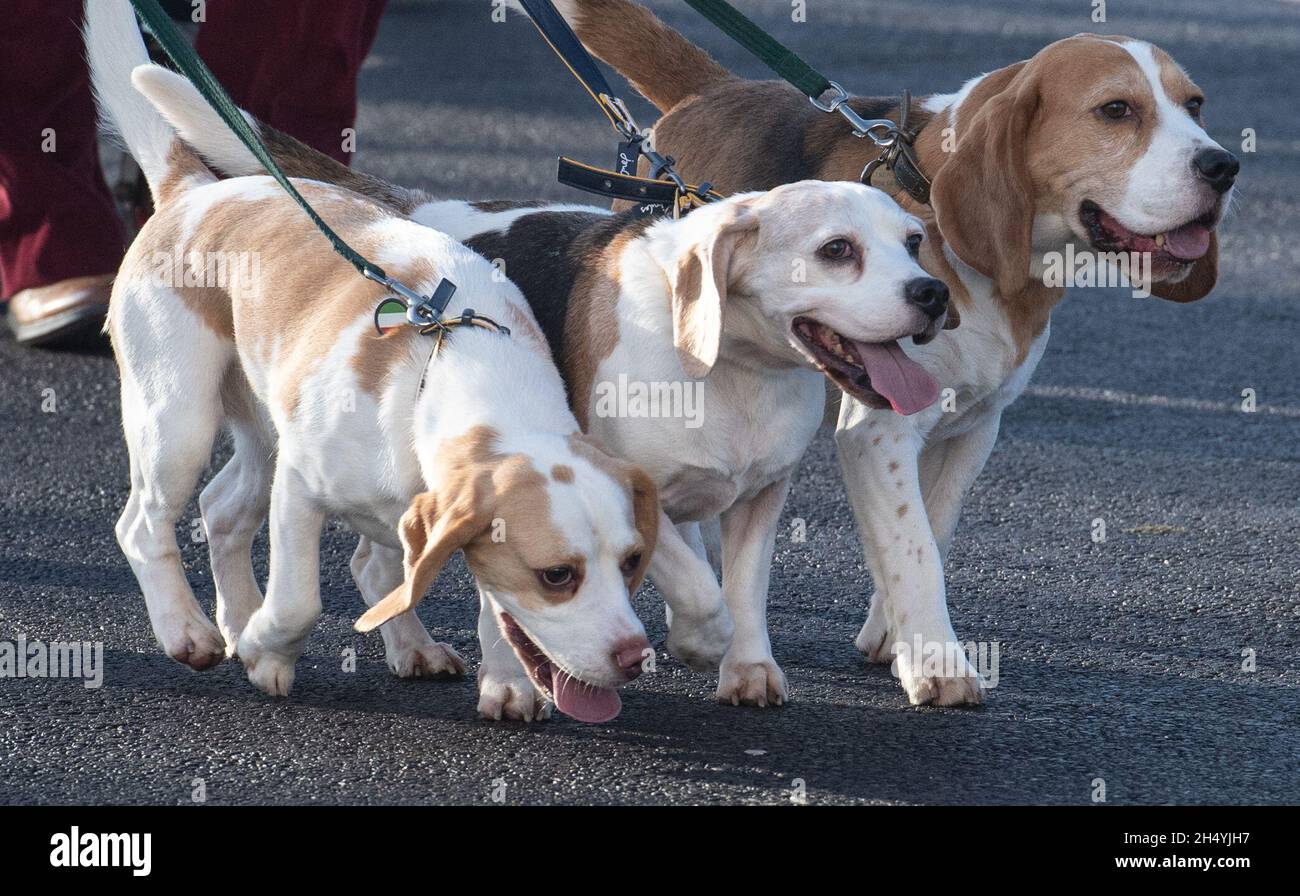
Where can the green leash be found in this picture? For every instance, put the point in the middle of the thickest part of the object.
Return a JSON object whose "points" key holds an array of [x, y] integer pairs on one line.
{"points": [[895, 140], [780, 59], [421, 310]]}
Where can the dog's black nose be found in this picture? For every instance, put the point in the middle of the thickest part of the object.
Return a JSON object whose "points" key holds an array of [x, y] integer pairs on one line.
{"points": [[928, 294], [1217, 167]]}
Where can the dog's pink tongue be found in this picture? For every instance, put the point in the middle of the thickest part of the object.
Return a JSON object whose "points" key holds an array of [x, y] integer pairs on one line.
{"points": [[897, 377], [1188, 242], [582, 701]]}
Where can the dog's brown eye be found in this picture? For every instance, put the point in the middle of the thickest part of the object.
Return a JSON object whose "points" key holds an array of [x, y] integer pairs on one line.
{"points": [[836, 250], [1193, 106], [914, 241], [631, 563], [557, 576], [1116, 109]]}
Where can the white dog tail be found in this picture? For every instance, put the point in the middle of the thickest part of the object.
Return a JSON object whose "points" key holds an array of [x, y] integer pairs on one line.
{"points": [[178, 101], [122, 75], [203, 130]]}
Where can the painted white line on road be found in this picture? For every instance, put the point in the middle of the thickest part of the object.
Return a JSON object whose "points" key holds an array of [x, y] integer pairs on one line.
{"points": [[1112, 396]]}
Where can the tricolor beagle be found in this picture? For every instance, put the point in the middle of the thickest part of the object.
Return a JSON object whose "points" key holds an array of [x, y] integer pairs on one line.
{"points": [[471, 448], [749, 300], [1095, 144]]}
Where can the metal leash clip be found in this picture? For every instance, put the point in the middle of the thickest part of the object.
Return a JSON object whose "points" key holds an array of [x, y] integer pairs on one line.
{"points": [[621, 117], [881, 131], [899, 158]]}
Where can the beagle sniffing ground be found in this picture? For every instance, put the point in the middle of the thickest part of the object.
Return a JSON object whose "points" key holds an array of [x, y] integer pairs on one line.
{"points": [[759, 300], [1095, 143], [470, 448]]}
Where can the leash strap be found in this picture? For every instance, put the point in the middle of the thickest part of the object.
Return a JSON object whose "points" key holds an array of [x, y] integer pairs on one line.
{"points": [[621, 184], [779, 58], [557, 33], [420, 310], [893, 139], [652, 196]]}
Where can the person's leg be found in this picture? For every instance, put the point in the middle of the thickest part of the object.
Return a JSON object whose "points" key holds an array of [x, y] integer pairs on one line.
{"points": [[60, 237], [293, 65]]}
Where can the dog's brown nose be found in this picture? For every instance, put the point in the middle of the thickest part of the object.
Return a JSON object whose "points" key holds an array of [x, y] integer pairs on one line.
{"points": [[630, 656], [1217, 167]]}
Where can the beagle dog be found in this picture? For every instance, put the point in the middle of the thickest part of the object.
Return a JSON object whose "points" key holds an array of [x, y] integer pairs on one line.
{"points": [[752, 304], [1094, 145], [424, 446]]}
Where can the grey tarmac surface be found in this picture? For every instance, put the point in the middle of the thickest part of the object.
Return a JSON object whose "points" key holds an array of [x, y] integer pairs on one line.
{"points": [[1119, 660]]}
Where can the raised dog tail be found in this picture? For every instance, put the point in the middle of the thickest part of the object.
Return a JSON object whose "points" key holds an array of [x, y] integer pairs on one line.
{"points": [[119, 63], [179, 101], [663, 66]]}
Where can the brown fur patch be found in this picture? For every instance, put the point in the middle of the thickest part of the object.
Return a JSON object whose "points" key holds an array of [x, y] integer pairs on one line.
{"points": [[664, 67], [591, 322], [182, 165], [303, 295], [562, 473], [299, 160]]}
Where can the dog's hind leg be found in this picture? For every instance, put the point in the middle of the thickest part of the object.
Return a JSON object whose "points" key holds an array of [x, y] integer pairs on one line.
{"points": [[234, 506], [170, 414], [409, 649]]}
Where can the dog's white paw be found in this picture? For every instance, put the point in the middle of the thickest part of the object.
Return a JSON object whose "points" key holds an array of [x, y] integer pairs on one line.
{"points": [[950, 681], [270, 670], [270, 673], [192, 640], [700, 643], [875, 641], [511, 698], [759, 683], [431, 660]]}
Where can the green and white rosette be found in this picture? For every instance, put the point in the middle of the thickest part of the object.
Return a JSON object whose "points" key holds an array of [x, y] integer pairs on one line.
{"points": [[390, 314]]}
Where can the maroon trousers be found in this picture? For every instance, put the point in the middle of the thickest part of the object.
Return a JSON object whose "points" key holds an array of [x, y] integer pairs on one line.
{"points": [[292, 63]]}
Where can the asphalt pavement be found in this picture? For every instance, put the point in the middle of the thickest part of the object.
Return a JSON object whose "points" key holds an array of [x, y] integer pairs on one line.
{"points": [[1164, 661]]}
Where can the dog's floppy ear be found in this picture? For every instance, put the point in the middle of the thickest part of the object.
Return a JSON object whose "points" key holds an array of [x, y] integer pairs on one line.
{"points": [[1199, 280], [983, 197], [700, 291], [645, 515], [430, 535]]}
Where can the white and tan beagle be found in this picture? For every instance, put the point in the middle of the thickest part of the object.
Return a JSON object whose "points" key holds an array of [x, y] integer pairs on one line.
{"points": [[757, 300], [473, 448], [1095, 144]]}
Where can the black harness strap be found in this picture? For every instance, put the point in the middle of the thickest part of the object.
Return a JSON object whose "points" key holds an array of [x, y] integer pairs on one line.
{"points": [[675, 195]]}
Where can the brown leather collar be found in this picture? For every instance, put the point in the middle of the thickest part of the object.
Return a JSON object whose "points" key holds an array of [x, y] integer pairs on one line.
{"points": [[900, 158]]}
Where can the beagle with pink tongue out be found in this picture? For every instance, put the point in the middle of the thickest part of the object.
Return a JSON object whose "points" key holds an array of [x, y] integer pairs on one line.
{"points": [[424, 447]]}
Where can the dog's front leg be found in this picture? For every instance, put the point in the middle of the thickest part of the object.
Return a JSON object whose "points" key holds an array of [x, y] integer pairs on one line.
{"points": [[700, 627], [749, 674], [277, 632], [504, 689], [948, 470], [879, 458], [409, 649]]}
